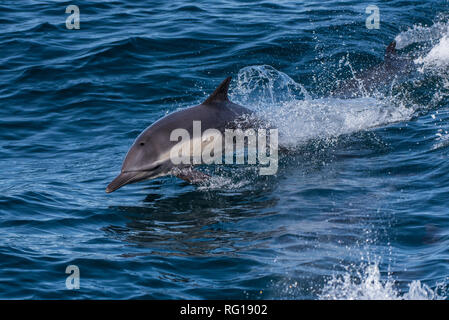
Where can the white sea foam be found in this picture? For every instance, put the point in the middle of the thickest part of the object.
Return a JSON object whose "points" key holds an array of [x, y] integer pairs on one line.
{"points": [[367, 284], [217, 182], [438, 55], [280, 100], [432, 58], [302, 120], [420, 33], [438, 36]]}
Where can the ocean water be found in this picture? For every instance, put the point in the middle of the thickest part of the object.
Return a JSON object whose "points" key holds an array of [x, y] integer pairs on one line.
{"points": [[358, 209]]}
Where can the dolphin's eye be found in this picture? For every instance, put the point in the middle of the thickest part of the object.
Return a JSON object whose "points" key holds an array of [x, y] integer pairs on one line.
{"points": [[142, 143]]}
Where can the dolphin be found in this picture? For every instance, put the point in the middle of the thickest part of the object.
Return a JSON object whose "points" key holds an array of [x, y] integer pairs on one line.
{"points": [[381, 75], [149, 156]]}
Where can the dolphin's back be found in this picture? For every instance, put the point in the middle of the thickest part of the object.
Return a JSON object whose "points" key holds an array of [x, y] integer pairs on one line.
{"points": [[216, 112], [376, 77]]}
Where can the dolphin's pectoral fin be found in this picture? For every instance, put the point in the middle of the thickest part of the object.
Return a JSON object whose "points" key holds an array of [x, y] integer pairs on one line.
{"points": [[190, 175]]}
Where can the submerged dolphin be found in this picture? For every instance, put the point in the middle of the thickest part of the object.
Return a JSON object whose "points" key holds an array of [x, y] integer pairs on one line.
{"points": [[149, 156], [393, 67]]}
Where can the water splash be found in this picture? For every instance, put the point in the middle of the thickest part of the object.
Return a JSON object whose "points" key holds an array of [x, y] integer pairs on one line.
{"points": [[219, 182], [367, 284], [434, 37], [419, 33], [263, 85], [438, 55], [281, 101], [431, 57]]}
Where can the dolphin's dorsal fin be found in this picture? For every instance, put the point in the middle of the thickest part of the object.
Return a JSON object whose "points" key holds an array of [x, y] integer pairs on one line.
{"points": [[220, 94], [391, 50]]}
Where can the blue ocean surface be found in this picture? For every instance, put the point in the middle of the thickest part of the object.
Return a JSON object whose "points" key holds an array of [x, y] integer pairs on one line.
{"points": [[357, 210]]}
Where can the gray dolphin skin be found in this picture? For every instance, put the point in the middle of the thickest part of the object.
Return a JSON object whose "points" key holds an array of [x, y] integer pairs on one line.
{"points": [[381, 75], [149, 156]]}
